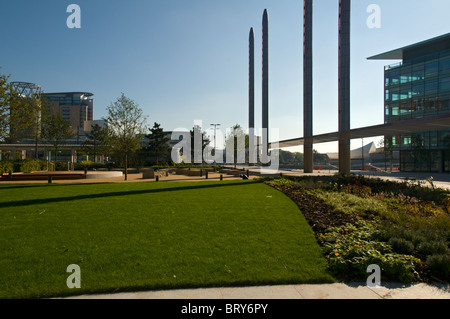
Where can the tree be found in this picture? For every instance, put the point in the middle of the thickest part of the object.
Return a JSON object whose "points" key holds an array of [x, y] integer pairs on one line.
{"points": [[233, 139], [294, 159], [320, 158], [197, 131], [157, 146], [4, 106], [97, 141], [12, 113], [126, 123], [29, 115], [56, 130]]}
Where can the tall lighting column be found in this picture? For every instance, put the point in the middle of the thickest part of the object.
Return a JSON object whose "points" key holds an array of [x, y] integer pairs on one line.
{"points": [[265, 82], [344, 86], [308, 85]]}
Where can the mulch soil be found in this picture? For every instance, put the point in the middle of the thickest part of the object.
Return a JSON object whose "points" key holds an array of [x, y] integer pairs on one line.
{"points": [[322, 216], [318, 214]]}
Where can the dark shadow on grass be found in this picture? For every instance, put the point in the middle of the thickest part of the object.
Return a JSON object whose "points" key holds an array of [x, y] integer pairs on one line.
{"points": [[36, 185], [123, 193]]}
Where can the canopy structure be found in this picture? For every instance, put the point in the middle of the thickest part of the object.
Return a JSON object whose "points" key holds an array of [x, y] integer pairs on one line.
{"points": [[429, 123], [434, 44]]}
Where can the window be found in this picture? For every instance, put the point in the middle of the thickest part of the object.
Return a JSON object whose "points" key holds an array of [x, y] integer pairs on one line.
{"points": [[418, 73], [394, 77], [395, 94], [444, 85], [431, 88], [444, 65], [431, 69], [405, 76], [418, 89], [407, 140], [395, 111], [405, 92]]}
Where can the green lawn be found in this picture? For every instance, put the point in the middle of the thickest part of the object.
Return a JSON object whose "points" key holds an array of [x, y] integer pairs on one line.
{"points": [[136, 236]]}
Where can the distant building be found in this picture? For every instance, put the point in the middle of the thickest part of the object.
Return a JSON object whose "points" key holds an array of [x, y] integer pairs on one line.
{"points": [[87, 126], [369, 157], [75, 107]]}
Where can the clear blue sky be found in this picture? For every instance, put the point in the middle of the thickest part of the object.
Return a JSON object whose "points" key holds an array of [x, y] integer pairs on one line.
{"points": [[186, 60]]}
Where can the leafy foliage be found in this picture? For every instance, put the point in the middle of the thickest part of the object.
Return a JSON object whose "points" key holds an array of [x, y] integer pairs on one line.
{"points": [[6, 167], [158, 147], [126, 123], [354, 247], [97, 141], [401, 226], [56, 130], [5, 95]]}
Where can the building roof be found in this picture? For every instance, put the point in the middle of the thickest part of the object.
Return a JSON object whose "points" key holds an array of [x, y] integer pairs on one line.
{"points": [[398, 54], [365, 151], [88, 94]]}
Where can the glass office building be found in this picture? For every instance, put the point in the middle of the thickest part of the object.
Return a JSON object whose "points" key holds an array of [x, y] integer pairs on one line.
{"points": [[418, 87]]}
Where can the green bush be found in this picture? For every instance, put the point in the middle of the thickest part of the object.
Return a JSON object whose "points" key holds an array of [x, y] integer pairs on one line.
{"points": [[60, 166], [6, 167], [26, 166], [440, 266], [353, 248], [88, 164], [401, 246], [433, 247], [411, 224], [32, 165], [392, 230]]}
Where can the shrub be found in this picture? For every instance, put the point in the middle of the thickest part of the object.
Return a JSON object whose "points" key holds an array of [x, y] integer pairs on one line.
{"points": [[433, 247], [347, 203], [356, 247], [86, 164], [439, 266], [60, 166], [401, 246], [6, 167], [31, 165]]}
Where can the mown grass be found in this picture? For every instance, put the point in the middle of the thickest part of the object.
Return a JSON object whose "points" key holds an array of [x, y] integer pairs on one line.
{"points": [[137, 236]]}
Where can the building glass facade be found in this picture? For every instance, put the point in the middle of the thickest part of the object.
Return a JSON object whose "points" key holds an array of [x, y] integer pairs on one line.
{"points": [[419, 87], [75, 107]]}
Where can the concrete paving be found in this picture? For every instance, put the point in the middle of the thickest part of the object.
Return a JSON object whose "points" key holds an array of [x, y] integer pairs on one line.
{"points": [[304, 291]]}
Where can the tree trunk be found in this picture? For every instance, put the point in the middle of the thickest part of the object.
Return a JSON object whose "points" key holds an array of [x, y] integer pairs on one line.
{"points": [[126, 166], [36, 148]]}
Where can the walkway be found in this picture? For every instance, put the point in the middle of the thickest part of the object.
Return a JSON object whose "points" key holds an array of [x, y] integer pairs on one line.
{"points": [[317, 291]]}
